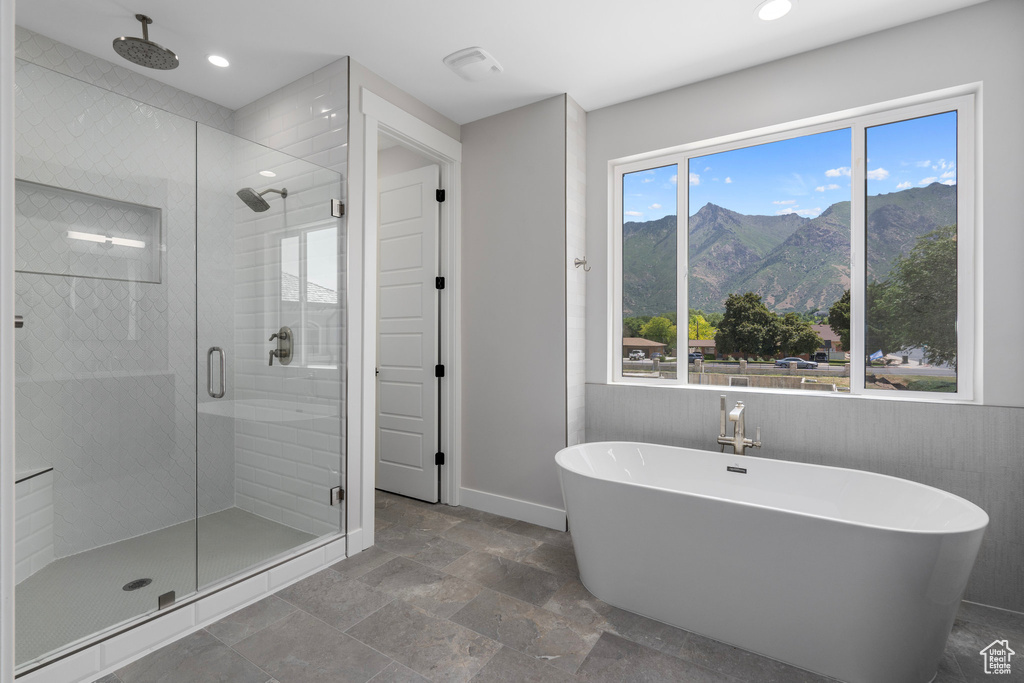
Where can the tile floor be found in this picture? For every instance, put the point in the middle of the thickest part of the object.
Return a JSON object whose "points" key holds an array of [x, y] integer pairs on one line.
{"points": [[454, 594]]}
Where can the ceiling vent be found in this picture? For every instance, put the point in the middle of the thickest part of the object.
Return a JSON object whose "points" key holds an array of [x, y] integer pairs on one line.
{"points": [[473, 64]]}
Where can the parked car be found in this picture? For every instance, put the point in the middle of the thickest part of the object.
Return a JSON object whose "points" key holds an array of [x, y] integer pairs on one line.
{"points": [[821, 357], [801, 364], [656, 354], [636, 354], [697, 355]]}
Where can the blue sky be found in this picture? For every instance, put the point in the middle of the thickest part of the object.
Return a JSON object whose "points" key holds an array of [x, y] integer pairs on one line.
{"points": [[802, 175]]}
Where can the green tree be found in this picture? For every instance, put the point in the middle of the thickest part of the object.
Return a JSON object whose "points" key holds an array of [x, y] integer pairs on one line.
{"points": [[881, 324], [660, 330], [796, 336], [631, 326], [839, 319], [922, 297], [699, 328], [714, 319], [747, 327]]}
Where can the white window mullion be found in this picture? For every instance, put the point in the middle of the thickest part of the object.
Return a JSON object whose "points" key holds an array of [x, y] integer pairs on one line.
{"points": [[858, 258], [682, 271]]}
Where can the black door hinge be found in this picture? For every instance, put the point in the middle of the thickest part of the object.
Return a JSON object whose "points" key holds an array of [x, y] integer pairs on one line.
{"points": [[439, 282], [439, 195], [438, 458], [438, 371]]}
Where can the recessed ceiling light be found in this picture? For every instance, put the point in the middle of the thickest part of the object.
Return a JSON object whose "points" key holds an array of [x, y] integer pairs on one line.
{"points": [[770, 10], [217, 60], [268, 174]]}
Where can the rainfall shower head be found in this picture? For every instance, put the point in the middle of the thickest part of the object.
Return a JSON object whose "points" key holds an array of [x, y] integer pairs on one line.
{"points": [[255, 201], [143, 51]]}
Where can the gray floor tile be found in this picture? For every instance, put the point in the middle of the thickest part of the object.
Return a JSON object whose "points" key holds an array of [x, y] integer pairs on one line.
{"points": [[303, 649], [506, 576], [431, 646], [436, 592], [968, 639], [480, 536], [560, 538], [463, 512], [991, 616], [416, 516], [360, 563], [379, 525], [573, 600], [509, 666], [333, 599], [534, 631], [396, 673], [109, 678], [742, 664], [554, 559], [423, 546], [617, 660], [245, 622], [196, 658]]}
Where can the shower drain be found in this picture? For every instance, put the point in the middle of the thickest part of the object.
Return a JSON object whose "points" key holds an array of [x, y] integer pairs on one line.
{"points": [[136, 584]]}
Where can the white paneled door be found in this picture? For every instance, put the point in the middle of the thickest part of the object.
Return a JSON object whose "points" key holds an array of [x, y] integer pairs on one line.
{"points": [[407, 338]]}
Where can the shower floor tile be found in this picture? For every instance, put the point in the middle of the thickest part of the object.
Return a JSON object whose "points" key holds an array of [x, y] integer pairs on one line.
{"points": [[75, 596]]}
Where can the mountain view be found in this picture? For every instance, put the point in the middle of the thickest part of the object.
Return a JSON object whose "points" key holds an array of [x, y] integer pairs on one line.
{"points": [[795, 263]]}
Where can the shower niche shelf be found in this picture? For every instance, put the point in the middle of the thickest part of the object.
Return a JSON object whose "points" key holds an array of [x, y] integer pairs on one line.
{"points": [[70, 233]]}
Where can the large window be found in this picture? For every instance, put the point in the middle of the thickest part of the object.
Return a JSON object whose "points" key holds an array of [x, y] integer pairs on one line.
{"points": [[832, 258]]}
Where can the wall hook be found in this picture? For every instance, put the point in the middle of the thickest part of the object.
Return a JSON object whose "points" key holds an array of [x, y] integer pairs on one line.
{"points": [[582, 262]]}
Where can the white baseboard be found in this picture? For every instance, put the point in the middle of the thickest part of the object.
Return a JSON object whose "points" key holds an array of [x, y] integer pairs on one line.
{"points": [[534, 513]]}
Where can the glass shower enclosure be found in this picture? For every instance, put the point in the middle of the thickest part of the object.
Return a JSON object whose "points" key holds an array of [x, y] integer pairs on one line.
{"points": [[179, 366]]}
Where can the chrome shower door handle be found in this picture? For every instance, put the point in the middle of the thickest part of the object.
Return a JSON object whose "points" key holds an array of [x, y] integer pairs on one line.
{"points": [[223, 372]]}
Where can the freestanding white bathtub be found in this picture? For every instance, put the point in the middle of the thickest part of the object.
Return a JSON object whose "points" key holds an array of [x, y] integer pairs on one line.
{"points": [[846, 573]]}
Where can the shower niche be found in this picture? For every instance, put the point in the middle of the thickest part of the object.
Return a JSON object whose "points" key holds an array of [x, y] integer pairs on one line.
{"points": [[64, 232], [158, 452]]}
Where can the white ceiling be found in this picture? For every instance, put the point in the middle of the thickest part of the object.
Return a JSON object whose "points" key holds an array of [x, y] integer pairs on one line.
{"points": [[598, 51]]}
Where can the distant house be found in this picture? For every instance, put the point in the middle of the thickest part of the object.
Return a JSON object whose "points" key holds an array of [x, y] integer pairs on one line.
{"points": [[704, 346], [640, 344], [829, 338]]}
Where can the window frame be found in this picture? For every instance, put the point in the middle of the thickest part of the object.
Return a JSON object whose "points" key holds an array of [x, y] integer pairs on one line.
{"points": [[963, 100]]}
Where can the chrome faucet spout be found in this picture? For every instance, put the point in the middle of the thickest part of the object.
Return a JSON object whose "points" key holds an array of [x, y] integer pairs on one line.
{"points": [[738, 440]]}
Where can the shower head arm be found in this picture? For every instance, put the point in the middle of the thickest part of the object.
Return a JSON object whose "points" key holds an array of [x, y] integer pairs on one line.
{"points": [[283, 191], [146, 21]]}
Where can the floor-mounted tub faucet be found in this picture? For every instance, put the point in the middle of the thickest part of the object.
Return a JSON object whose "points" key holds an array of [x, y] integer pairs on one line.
{"points": [[737, 441]]}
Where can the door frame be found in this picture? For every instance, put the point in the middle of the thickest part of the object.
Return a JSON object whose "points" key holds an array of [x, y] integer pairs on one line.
{"points": [[381, 116]]}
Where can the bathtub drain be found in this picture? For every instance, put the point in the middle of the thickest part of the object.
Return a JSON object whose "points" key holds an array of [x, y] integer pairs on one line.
{"points": [[136, 584]]}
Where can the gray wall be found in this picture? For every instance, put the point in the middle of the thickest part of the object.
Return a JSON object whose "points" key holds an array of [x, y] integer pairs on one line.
{"points": [[973, 451], [513, 302]]}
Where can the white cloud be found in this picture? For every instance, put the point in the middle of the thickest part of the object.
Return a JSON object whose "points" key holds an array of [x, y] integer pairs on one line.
{"points": [[878, 174], [948, 174], [924, 164], [785, 202], [654, 206], [728, 180], [707, 168], [674, 179], [927, 181], [806, 213], [836, 172], [949, 182], [647, 180], [634, 214], [904, 185], [822, 188], [694, 179]]}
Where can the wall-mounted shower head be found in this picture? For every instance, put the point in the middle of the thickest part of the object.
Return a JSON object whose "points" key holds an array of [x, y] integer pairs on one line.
{"points": [[143, 51], [255, 201]]}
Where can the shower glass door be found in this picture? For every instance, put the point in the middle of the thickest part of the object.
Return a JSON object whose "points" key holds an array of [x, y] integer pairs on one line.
{"points": [[269, 349], [105, 360]]}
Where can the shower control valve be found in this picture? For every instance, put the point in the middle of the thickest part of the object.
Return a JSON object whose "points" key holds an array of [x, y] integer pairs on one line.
{"points": [[283, 352]]}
